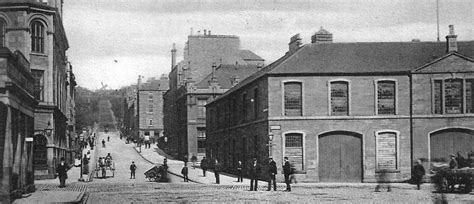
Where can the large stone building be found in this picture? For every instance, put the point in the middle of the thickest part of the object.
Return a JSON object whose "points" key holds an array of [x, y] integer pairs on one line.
{"points": [[350, 112], [191, 87], [150, 107], [17, 106], [35, 28]]}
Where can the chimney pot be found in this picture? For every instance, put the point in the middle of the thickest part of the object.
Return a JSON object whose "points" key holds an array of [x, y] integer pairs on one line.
{"points": [[295, 43], [322, 36], [452, 45], [209, 32]]}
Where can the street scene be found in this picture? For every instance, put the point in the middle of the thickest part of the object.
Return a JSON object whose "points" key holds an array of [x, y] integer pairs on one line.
{"points": [[205, 101]]}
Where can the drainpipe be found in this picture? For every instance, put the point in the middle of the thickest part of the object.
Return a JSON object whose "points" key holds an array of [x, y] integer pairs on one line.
{"points": [[410, 76]]}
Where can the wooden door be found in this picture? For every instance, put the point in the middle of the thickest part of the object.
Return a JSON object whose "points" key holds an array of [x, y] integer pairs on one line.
{"points": [[446, 142], [340, 157]]}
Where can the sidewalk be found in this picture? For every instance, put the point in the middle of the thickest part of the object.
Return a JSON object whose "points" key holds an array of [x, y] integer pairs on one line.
{"points": [[47, 190]]}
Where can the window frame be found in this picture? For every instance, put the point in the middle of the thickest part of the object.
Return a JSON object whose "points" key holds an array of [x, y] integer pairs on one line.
{"points": [[283, 108], [38, 47], [349, 96], [443, 95], [3, 25], [201, 114], [303, 137], [38, 85], [376, 83]]}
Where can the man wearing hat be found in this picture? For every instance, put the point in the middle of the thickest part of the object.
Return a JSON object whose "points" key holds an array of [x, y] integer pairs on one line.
{"points": [[272, 171], [453, 164], [254, 170]]}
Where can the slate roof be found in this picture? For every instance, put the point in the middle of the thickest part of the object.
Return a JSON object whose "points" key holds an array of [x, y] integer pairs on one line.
{"points": [[249, 55], [225, 73]]}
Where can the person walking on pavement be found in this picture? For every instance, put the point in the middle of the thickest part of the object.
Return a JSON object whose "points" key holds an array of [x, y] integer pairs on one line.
{"points": [[133, 168], [184, 171], [61, 170], [254, 170], [272, 171], [239, 172], [204, 166], [418, 173], [194, 160], [85, 164], [217, 169], [108, 138], [103, 143], [287, 172]]}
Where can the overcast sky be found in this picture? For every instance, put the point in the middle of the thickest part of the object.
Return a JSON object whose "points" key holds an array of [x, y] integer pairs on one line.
{"points": [[114, 41]]}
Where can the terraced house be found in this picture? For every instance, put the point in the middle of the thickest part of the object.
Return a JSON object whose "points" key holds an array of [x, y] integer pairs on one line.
{"points": [[350, 112]]}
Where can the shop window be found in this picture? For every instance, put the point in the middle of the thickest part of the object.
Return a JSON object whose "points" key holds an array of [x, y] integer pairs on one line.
{"points": [[339, 98], [386, 97], [294, 150], [293, 98]]}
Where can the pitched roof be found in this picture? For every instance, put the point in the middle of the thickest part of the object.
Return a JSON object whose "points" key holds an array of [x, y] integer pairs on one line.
{"points": [[367, 57], [225, 73], [249, 55]]}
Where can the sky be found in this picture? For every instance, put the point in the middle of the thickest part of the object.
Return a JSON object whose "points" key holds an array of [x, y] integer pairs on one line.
{"points": [[115, 41]]}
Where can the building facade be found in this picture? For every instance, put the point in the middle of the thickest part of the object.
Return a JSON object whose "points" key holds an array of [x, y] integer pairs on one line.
{"points": [[35, 29], [191, 88], [150, 107], [350, 112], [16, 125]]}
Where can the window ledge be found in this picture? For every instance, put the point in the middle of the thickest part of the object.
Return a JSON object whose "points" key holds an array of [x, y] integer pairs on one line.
{"points": [[387, 171], [38, 54]]}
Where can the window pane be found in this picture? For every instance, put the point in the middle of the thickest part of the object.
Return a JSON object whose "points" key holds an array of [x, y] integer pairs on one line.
{"points": [[453, 95], [38, 84], [201, 105], [294, 150], [386, 97], [37, 37], [293, 99], [339, 98], [469, 95], [437, 96], [2, 33]]}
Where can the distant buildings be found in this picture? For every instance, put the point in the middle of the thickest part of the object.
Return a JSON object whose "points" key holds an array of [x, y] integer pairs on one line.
{"points": [[34, 29], [211, 65], [350, 112]]}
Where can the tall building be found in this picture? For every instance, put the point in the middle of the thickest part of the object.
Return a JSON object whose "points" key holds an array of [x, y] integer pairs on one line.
{"points": [[211, 63], [34, 28], [350, 112]]}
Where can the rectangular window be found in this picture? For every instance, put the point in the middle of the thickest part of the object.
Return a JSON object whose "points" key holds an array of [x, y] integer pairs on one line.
{"points": [[293, 99], [438, 97], [339, 98], [453, 96], [150, 122], [255, 103], [201, 105], [201, 139], [38, 84], [386, 150], [2, 33], [294, 150], [386, 97], [150, 97], [150, 108], [244, 107], [469, 96]]}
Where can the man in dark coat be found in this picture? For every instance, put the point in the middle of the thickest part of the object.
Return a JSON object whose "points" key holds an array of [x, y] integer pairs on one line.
{"points": [[272, 171], [217, 169], [418, 173], [61, 170], [254, 170], [287, 172], [133, 168], [239, 172], [204, 166], [184, 171]]}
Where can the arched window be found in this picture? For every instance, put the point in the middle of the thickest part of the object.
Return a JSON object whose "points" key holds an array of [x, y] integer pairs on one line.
{"points": [[37, 37], [339, 98], [294, 149], [293, 98], [2, 33], [386, 97]]}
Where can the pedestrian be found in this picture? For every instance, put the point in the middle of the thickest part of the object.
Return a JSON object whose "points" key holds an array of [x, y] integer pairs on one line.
{"points": [[133, 168], [85, 164], [103, 143], [184, 171], [453, 164], [418, 173], [287, 172], [254, 170], [108, 138], [194, 160], [61, 170], [461, 160], [239, 172], [272, 171], [217, 169], [204, 166]]}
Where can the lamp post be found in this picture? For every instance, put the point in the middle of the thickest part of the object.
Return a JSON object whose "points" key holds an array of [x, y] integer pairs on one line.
{"points": [[270, 139], [166, 144]]}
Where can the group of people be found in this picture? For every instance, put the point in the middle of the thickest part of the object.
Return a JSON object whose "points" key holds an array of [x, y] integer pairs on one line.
{"points": [[458, 161]]}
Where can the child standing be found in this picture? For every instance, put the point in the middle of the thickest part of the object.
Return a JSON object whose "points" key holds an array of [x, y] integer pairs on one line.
{"points": [[184, 171]]}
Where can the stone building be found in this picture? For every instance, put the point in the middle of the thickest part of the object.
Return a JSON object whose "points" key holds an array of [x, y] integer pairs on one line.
{"points": [[350, 112], [35, 28], [72, 137], [17, 106], [150, 107], [190, 89]]}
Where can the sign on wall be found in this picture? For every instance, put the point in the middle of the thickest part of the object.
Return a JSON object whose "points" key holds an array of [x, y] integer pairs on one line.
{"points": [[386, 150]]}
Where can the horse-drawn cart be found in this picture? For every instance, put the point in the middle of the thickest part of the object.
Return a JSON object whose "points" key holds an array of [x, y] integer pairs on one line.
{"points": [[103, 165], [453, 180], [157, 174]]}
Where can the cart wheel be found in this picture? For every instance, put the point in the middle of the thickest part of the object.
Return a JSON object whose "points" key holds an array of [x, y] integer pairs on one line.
{"points": [[151, 178]]}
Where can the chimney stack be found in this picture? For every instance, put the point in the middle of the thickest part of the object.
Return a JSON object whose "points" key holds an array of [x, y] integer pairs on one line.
{"points": [[452, 45], [205, 33], [213, 78], [173, 56], [209, 33], [322, 36], [295, 43], [235, 80]]}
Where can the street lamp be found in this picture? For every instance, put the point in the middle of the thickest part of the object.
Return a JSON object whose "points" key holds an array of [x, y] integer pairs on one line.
{"points": [[270, 139], [48, 130]]}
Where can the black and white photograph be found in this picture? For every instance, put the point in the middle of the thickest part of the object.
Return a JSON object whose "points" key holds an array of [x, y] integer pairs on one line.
{"points": [[236, 101]]}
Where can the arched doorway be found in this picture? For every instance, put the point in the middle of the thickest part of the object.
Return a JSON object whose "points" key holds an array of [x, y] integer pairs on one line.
{"points": [[449, 141], [340, 157], [40, 153]]}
